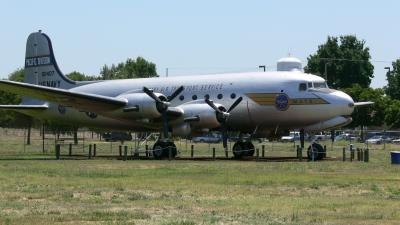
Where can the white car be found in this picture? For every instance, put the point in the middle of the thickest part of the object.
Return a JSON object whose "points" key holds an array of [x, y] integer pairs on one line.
{"points": [[396, 141], [293, 136], [375, 140]]}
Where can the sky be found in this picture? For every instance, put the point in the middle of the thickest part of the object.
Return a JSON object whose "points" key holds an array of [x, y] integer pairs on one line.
{"points": [[195, 37]]}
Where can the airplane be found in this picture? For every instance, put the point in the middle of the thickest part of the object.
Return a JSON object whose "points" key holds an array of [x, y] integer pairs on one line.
{"points": [[262, 104]]}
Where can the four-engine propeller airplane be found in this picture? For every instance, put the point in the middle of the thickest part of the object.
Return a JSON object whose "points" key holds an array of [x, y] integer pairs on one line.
{"points": [[259, 103]]}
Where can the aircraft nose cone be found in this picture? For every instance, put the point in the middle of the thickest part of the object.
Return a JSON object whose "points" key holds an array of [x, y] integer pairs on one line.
{"points": [[345, 102]]}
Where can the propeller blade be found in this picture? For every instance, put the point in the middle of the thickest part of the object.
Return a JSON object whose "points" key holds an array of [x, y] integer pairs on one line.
{"points": [[212, 105], [224, 136], [176, 93], [151, 94], [235, 104]]}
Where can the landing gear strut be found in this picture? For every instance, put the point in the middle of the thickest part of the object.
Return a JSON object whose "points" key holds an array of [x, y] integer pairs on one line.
{"points": [[243, 148], [161, 149]]}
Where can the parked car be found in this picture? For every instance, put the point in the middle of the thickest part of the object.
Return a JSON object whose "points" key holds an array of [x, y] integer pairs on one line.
{"points": [[375, 140], [396, 141], [208, 138], [117, 136], [347, 137], [293, 136]]}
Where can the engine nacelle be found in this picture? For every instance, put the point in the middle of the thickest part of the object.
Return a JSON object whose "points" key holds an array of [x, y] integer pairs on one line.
{"points": [[139, 106], [207, 116], [197, 117]]}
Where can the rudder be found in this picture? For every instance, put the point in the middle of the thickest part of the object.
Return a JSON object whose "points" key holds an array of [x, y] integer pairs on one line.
{"points": [[40, 64]]}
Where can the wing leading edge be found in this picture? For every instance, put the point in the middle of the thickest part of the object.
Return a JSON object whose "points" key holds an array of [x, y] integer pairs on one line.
{"points": [[79, 100]]}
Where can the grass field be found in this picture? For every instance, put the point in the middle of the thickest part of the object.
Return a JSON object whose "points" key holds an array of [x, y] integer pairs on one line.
{"points": [[36, 189]]}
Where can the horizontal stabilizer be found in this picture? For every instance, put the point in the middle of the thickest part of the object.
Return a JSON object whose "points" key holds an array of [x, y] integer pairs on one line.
{"points": [[78, 100], [363, 103], [24, 107]]}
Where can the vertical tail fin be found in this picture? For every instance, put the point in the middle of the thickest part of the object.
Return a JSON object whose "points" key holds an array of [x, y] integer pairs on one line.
{"points": [[40, 64]]}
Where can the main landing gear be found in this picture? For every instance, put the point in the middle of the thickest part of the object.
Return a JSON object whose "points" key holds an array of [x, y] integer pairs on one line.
{"points": [[243, 148], [161, 149]]}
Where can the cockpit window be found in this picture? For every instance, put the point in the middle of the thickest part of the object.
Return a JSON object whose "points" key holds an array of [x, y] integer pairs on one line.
{"points": [[302, 87], [320, 85], [309, 85]]}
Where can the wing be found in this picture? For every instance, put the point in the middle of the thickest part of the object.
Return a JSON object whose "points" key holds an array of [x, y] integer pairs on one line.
{"points": [[24, 107], [79, 100], [363, 103]]}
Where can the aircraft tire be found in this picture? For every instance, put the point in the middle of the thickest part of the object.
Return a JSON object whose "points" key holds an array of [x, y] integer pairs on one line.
{"points": [[238, 149], [318, 152], [250, 148], [160, 149], [166, 151]]}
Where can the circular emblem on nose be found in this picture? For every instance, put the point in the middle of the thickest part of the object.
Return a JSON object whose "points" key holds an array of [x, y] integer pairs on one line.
{"points": [[282, 102]]}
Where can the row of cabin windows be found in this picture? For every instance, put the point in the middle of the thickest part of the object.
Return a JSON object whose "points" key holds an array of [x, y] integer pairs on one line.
{"points": [[207, 96]]}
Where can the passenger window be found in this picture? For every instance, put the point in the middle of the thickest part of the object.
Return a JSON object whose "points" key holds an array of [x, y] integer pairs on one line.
{"points": [[194, 97], [181, 97], [233, 95], [219, 96], [207, 96], [302, 87]]}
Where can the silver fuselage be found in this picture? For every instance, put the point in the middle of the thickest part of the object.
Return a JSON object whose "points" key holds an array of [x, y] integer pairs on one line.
{"points": [[259, 109]]}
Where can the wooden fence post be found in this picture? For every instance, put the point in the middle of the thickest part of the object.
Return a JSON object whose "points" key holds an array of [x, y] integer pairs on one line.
{"points": [[70, 149], [58, 150], [90, 152], [125, 153], [213, 153]]}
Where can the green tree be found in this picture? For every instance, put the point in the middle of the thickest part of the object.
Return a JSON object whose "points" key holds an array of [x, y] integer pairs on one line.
{"points": [[17, 75], [347, 59], [131, 68], [392, 114], [371, 115], [11, 118], [77, 76], [393, 77]]}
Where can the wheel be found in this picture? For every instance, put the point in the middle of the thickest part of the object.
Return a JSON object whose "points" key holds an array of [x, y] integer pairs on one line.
{"points": [[250, 148], [316, 152], [238, 149], [158, 150], [166, 149], [161, 149]]}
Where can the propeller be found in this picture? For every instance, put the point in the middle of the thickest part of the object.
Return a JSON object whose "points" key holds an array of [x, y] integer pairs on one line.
{"points": [[162, 105], [222, 117]]}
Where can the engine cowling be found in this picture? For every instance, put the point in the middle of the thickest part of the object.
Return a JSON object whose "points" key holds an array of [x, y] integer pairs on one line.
{"points": [[207, 116], [196, 117], [140, 106]]}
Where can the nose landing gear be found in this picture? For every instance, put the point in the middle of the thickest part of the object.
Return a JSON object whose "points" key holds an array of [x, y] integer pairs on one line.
{"points": [[316, 152]]}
